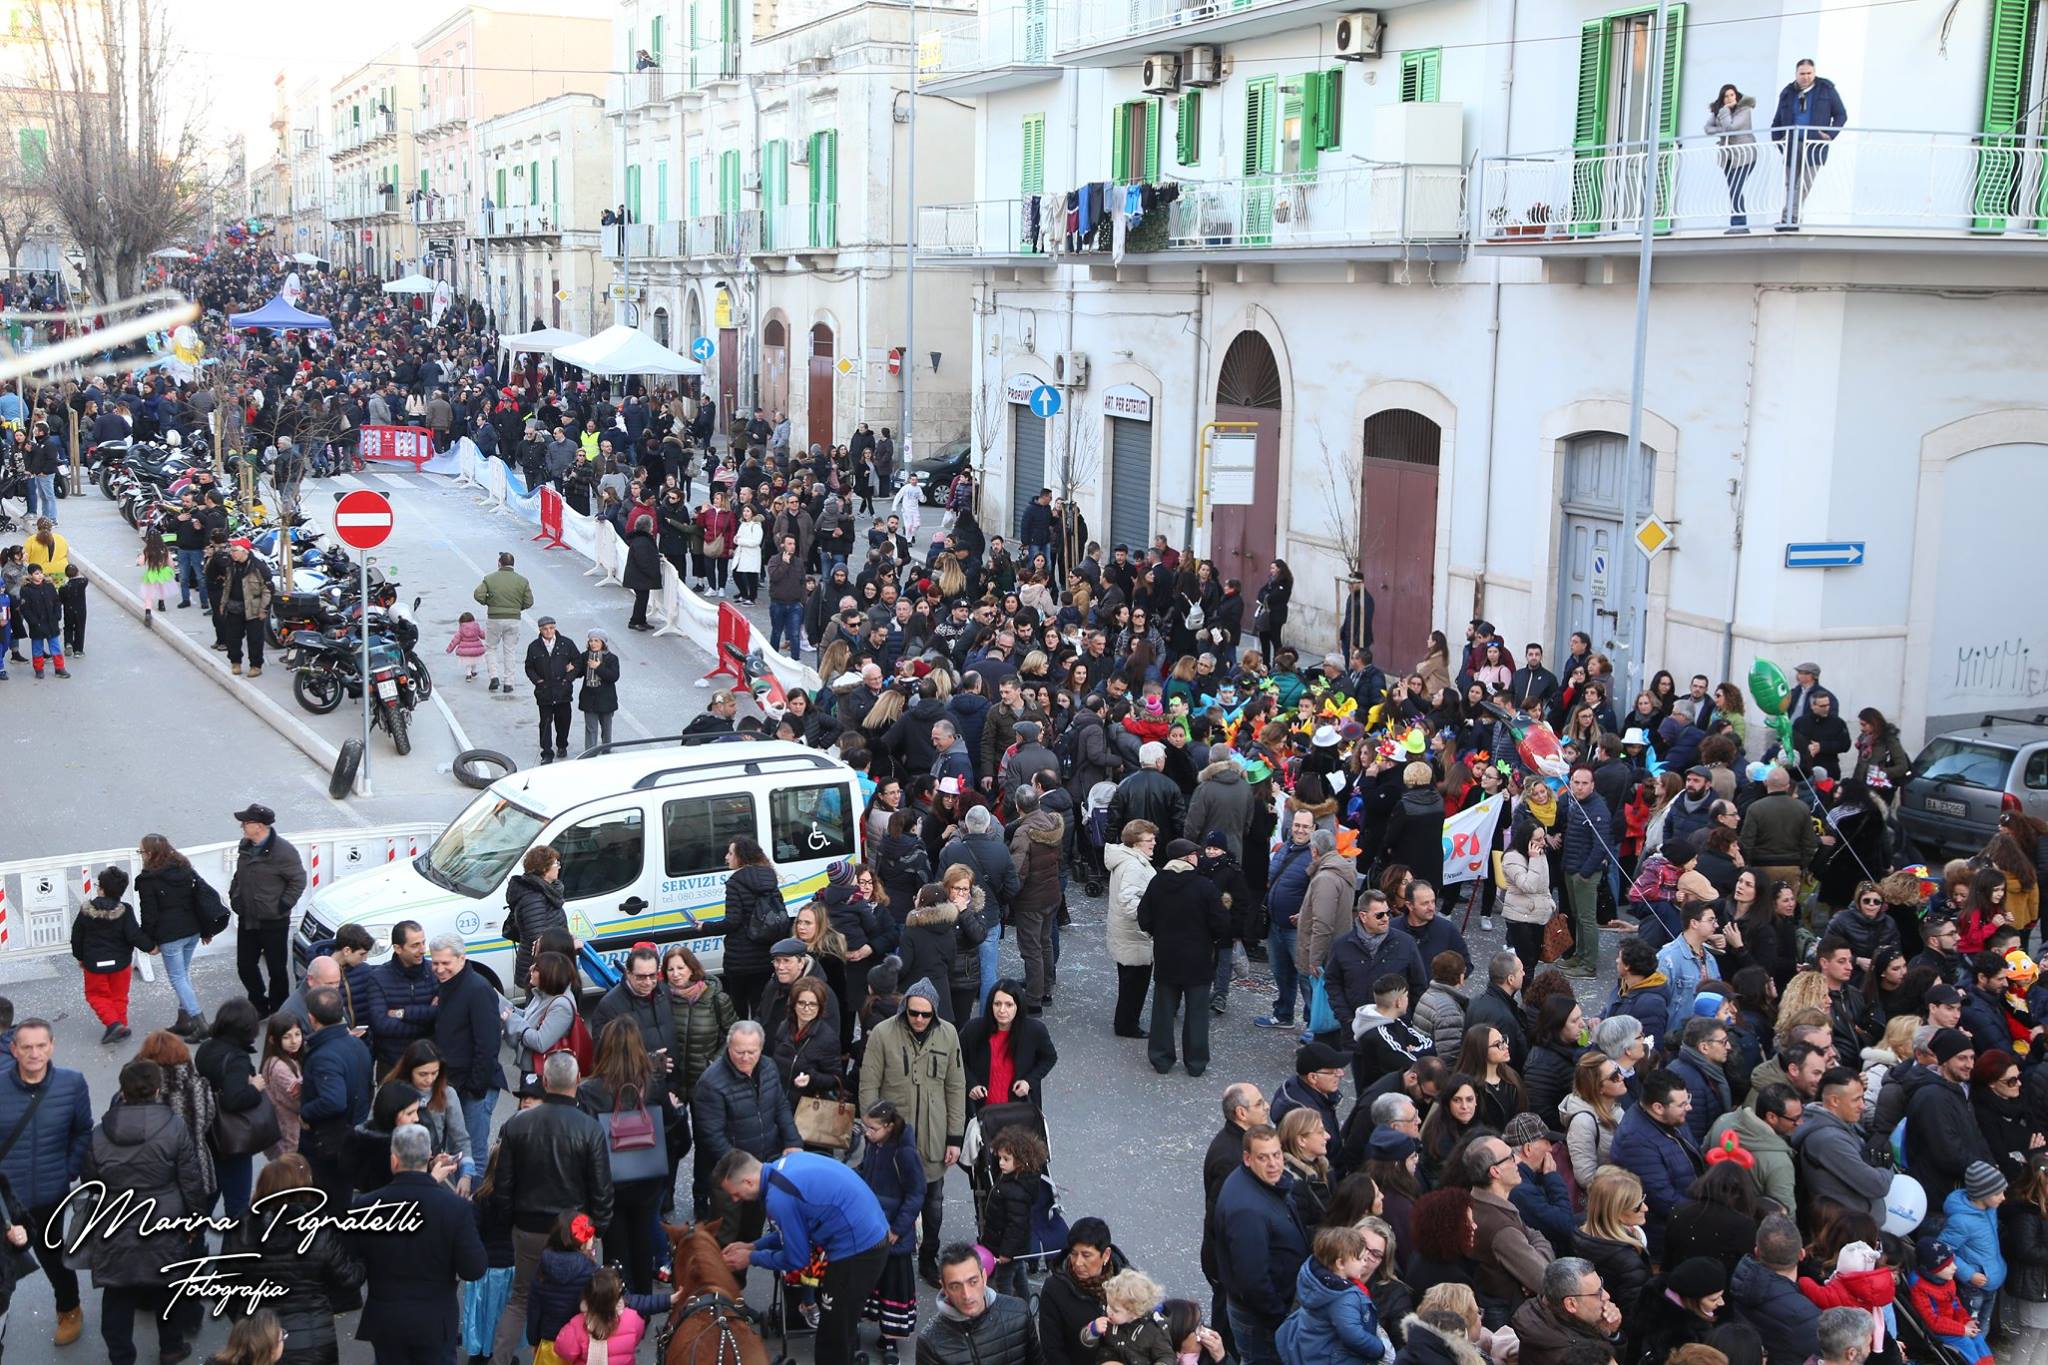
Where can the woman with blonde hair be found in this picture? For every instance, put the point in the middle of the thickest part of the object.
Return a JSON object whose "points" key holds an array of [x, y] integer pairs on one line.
{"points": [[1612, 1236], [1807, 990], [1305, 1148], [1591, 1114], [1878, 1062], [1130, 872]]}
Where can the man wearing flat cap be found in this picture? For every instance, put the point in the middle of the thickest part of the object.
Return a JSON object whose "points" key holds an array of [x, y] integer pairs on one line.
{"points": [[552, 666], [269, 879]]}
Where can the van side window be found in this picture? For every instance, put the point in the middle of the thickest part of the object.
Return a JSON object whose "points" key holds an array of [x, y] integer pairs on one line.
{"points": [[601, 854], [698, 829], [810, 822], [2037, 770]]}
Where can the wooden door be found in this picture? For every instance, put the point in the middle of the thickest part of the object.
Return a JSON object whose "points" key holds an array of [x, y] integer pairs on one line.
{"points": [[1245, 537], [821, 387], [775, 368], [1397, 524]]}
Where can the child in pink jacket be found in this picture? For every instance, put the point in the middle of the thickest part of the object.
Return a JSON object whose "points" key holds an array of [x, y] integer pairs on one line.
{"points": [[605, 1324], [468, 642]]}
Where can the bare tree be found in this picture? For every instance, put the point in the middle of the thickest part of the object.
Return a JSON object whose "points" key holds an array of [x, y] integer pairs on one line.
{"points": [[24, 207], [1080, 461], [988, 427], [125, 173], [1340, 482]]}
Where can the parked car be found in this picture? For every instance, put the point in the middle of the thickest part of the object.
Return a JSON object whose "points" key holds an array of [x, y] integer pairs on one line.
{"points": [[936, 471], [1963, 780]]}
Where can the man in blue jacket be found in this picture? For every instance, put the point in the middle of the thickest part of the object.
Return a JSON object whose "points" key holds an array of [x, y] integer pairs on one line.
{"points": [[334, 1094], [1652, 1141], [1370, 951], [398, 996], [45, 1128], [1809, 115], [468, 1029], [1286, 885], [813, 1204], [1260, 1245], [1433, 933], [1588, 835]]}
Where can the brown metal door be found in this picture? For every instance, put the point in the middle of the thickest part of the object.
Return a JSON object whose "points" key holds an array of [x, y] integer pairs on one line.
{"points": [[1245, 537], [1400, 558], [821, 386], [729, 380]]}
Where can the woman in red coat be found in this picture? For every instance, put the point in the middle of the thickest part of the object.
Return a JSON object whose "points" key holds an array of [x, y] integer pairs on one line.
{"points": [[719, 526]]}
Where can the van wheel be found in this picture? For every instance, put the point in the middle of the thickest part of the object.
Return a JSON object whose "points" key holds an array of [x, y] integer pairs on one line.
{"points": [[346, 766], [479, 768]]}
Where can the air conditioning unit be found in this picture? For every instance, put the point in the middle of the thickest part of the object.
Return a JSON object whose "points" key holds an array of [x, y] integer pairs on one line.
{"points": [[1204, 66], [800, 151], [1358, 35], [1070, 369], [750, 180], [1162, 73]]}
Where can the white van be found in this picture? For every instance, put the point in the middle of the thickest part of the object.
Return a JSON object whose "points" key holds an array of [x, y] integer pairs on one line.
{"points": [[642, 832]]}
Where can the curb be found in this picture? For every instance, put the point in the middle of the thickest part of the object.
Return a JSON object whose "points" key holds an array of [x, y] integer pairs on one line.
{"points": [[287, 726]]}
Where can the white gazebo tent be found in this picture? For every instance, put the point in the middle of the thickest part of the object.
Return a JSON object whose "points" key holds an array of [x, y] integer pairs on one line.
{"points": [[172, 253], [411, 284], [625, 350], [544, 341]]}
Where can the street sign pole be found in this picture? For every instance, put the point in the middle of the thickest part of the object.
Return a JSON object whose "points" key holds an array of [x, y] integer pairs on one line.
{"points": [[364, 770], [1633, 615]]}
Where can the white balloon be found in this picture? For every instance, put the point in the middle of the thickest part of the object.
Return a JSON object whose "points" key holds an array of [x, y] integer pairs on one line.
{"points": [[1904, 1206]]}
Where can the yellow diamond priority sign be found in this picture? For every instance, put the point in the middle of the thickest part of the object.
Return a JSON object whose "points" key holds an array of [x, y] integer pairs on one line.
{"points": [[845, 365], [1653, 537]]}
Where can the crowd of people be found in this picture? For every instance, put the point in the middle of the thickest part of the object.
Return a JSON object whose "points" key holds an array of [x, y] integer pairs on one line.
{"points": [[1808, 1123]]}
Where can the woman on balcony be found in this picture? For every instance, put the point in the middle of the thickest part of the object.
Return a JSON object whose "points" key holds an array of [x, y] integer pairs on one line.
{"points": [[1728, 119]]}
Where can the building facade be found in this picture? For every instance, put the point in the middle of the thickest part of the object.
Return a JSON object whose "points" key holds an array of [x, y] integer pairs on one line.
{"points": [[477, 64], [547, 174], [1397, 250], [371, 227], [762, 162], [305, 229]]}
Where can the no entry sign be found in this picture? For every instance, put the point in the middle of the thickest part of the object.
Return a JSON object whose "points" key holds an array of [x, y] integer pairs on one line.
{"points": [[362, 519]]}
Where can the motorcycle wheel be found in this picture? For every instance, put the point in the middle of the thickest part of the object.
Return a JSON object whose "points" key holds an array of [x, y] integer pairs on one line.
{"points": [[130, 514], [318, 691], [106, 480], [399, 722], [421, 679]]}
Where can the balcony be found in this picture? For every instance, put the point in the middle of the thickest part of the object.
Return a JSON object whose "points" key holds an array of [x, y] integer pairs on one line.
{"points": [[631, 239], [445, 116], [444, 211], [357, 206], [1000, 50], [718, 236], [523, 220], [1097, 33], [1866, 189], [380, 128], [1332, 213], [713, 61]]}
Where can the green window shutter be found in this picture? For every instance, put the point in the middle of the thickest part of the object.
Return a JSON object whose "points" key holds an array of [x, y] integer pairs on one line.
{"points": [[771, 159], [423, 180], [729, 182], [690, 46], [829, 145], [654, 40], [1589, 129], [1187, 142], [1674, 69], [555, 180], [533, 182], [1305, 107], [503, 200], [1032, 154], [35, 149], [1258, 126], [2005, 93], [696, 174], [1120, 143], [1151, 109], [1330, 109], [661, 192], [1419, 75]]}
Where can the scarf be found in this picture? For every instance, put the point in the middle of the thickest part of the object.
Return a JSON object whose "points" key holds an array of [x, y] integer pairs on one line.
{"points": [[1711, 1070], [1091, 1285], [1372, 942]]}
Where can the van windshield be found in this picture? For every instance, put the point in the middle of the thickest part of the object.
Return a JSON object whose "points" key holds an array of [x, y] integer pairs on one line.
{"points": [[476, 853], [1969, 762]]}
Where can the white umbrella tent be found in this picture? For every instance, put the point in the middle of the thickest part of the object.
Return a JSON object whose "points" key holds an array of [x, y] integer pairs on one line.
{"points": [[624, 350], [411, 284], [543, 341]]}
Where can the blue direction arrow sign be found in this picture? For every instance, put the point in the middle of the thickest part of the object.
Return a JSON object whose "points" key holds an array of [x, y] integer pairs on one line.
{"points": [[1824, 554], [702, 349], [1045, 400]]}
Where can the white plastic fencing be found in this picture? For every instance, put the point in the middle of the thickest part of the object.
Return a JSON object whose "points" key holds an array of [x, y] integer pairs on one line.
{"points": [[683, 612], [39, 896]]}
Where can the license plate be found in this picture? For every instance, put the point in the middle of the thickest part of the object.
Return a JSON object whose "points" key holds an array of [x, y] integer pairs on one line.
{"points": [[1946, 807], [388, 691]]}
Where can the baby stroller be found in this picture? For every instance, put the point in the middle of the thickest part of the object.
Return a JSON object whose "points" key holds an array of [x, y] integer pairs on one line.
{"points": [[1919, 1344], [1048, 1221], [13, 484], [1094, 833]]}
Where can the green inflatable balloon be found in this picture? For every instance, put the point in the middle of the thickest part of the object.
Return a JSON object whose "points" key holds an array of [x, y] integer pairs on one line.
{"points": [[1767, 686]]}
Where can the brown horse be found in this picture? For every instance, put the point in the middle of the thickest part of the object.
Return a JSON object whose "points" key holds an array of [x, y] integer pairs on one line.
{"points": [[708, 1325]]}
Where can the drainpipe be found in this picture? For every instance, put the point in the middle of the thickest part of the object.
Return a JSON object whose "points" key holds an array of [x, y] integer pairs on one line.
{"points": [[1493, 332], [1187, 536], [1741, 489]]}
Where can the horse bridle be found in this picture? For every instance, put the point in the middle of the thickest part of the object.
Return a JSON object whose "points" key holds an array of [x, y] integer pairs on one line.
{"points": [[723, 1309]]}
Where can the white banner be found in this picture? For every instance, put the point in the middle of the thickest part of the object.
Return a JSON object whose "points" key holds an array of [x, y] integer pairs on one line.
{"points": [[611, 553], [1468, 840]]}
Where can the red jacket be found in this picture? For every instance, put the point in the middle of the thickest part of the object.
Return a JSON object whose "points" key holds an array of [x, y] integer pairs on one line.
{"points": [[1852, 1289], [1940, 1307]]}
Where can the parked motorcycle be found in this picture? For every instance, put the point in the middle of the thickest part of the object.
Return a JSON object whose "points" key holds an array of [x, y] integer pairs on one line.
{"points": [[328, 667]]}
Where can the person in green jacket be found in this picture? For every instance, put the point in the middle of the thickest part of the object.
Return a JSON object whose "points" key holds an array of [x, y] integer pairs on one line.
{"points": [[505, 596]]}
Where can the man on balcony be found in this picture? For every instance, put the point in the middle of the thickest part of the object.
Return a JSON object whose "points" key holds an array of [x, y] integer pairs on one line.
{"points": [[1809, 115]]}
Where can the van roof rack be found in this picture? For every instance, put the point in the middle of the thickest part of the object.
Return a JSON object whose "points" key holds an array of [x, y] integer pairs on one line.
{"points": [[616, 745], [752, 766], [2039, 718]]}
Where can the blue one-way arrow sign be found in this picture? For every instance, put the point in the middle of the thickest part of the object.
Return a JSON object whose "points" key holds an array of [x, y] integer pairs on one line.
{"points": [[701, 349], [1045, 400], [1823, 554]]}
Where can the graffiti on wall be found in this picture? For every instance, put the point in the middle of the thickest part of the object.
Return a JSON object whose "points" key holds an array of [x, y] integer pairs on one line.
{"points": [[2007, 670]]}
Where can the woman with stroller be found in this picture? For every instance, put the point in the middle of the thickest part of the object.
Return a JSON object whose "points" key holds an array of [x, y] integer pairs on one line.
{"points": [[1008, 1052]]}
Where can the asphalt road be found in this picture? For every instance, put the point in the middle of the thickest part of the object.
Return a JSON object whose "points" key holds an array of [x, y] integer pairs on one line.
{"points": [[139, 741]]}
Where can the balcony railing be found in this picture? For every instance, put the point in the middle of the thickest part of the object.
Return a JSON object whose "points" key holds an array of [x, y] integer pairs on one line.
{"points": [[824, 233], [1012, 36], [1367, 205], [1089, 24], [1861, 181], [439, 209], [715, 235], [712, 60], [637, 238], [523, 220]]}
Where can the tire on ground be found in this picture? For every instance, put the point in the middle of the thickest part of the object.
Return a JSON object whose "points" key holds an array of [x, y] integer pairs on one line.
{"points": [[343, 780], [473, 767]]}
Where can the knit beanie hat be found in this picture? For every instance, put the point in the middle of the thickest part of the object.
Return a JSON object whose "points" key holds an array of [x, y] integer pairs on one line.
{"points": [[1981, 1180], [1932, 1253], [1697, 1278]]}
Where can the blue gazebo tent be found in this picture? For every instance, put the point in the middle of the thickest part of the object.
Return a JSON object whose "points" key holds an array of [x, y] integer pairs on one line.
{"points": [[279, 316]]}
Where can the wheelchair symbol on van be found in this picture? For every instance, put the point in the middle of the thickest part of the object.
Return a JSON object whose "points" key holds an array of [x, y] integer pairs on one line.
{"points": [[818, 838]]}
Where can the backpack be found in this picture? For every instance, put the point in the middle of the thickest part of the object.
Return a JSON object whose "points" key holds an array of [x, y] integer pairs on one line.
{"points": [[1196, 617], [213, 915], [1065, 748], [576, 1042]]}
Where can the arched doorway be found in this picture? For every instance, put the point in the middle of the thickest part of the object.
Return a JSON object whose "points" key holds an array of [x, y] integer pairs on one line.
{"points": [[1248, 389], [1591, 553], [1397, 529], [820, 410], [661, 328], [775, 368]]}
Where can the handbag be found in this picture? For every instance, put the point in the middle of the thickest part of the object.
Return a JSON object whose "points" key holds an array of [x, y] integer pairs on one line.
{"points": [[1321, 1018], [244, 1132], [1557, 938], [825, 1123], [213, 915], [630, 1139], [714, 546]]}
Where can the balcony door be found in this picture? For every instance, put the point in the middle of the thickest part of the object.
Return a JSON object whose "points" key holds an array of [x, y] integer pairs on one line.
{"points": [[1619, 112], [2011, 189], [819, 411]]}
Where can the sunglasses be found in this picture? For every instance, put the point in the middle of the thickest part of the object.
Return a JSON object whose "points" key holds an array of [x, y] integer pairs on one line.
{"points": [[919, 1014], [1871, 900]]}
